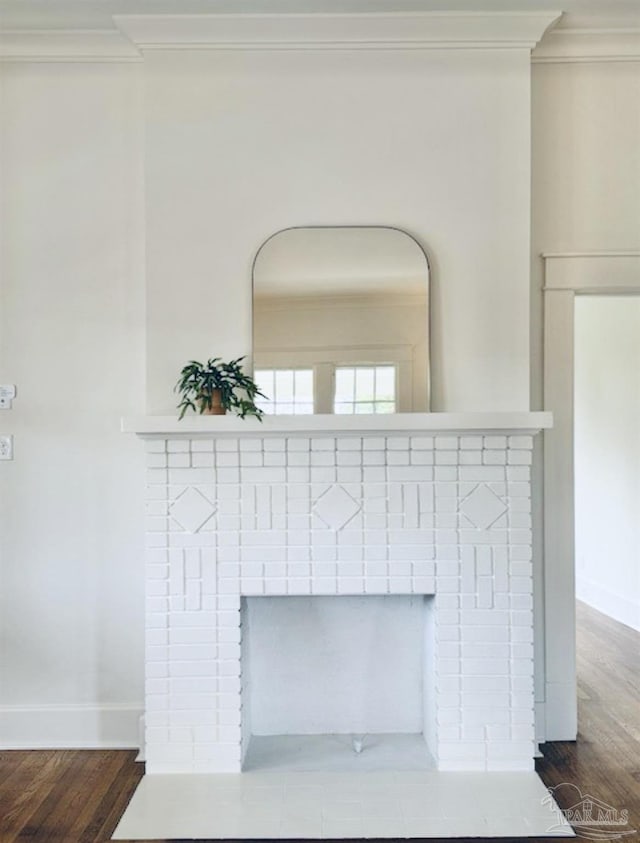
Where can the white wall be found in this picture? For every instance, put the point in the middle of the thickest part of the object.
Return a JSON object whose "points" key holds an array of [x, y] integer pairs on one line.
{"points": [[585, 198], [242, 144], [71, 338], [607, 449], [586, 169]]}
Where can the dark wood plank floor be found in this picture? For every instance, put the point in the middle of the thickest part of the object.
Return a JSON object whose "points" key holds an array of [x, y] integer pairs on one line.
{"points": [[78, 796]]}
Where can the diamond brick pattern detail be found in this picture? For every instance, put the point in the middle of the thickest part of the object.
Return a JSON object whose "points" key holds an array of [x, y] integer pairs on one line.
{"points": [[482, 507], [336, 507], [192, 510]]}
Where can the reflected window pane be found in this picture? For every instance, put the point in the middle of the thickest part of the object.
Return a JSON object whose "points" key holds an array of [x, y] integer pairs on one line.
{"points": [[344, 408], [284, 385], [365, 384], [288, 391], [385, 407], [345, 384], [304, 385], [365, 407], [385, 383], [365, 389]]}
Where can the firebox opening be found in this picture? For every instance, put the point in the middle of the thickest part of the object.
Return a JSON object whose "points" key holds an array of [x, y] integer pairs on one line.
{"points": [[337, 682]]}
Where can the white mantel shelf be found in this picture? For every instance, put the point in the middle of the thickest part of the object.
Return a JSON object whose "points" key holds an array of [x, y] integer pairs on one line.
{"points": [[521, 422]]}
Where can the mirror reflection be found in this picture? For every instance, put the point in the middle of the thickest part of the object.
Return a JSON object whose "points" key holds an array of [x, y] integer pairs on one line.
{"points": [[340, 321]]}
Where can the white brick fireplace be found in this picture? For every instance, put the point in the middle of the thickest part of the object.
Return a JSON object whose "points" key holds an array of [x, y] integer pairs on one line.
{"points": [[435, 504]]}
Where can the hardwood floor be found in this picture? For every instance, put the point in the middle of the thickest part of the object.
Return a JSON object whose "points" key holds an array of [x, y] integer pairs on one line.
{"points": [[78, 796]]}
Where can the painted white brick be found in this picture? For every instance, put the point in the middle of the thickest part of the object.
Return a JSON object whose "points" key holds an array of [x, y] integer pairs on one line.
{"points": [[522, 634], [374, 474], [179, 460], [446, 458], [485, 684], [446, 442], [376, 585], [422, 443], [521, 442], [277, 443], [521, 553], [422, 458], [178, 445], [227, 459], [470, 442], [494, 457], [495, 442], [398, 443], [323, 443], [373, 443], [397, 458], [349, 443], [297, 443], [409, 473], [521, 601], [490, 621], [518, 474]]}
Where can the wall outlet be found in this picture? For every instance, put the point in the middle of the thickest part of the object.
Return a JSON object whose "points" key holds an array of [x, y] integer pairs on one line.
{"points": [[7, 394], [6, 447]]}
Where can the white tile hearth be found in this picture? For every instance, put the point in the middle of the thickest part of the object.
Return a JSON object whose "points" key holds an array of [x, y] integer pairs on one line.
{"points": [[341, 805]]}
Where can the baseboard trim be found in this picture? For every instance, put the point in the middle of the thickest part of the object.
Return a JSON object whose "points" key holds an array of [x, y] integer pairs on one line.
{"points": [[113, 726], [614, 605]]}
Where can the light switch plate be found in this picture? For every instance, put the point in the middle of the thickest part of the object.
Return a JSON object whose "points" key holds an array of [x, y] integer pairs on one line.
{"points": [[6, 447]]}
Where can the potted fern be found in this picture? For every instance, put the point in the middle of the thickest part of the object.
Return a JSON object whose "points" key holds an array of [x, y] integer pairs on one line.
{"points": [[215, 387]]}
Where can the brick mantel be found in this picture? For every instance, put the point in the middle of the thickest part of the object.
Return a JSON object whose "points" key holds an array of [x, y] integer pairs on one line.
{"points": [[435, 505]]}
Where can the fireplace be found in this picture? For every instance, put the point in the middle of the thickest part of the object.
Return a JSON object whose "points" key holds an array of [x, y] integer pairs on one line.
{"points": [[433, 507]]}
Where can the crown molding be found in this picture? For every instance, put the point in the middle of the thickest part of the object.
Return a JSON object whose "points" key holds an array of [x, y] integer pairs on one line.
{"points": [[66, 45], [134, 34], [589, 44], [389, 30]]}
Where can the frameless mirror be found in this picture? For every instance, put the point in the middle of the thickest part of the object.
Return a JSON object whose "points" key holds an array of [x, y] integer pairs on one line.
{"points": [[340, 321]]}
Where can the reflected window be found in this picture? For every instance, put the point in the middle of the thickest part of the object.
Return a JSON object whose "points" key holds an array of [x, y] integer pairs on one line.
{"points": [[289, 391], [365, 389]]}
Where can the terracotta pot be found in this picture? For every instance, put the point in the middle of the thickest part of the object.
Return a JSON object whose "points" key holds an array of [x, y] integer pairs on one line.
{"points": [[216, 408]]}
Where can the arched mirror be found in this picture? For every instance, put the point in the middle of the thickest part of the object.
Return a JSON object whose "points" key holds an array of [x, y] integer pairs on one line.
{"points": [[340, 321]]}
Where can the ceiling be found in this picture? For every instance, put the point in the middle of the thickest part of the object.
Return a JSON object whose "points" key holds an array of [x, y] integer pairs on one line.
{"points": [[97, 14]]}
